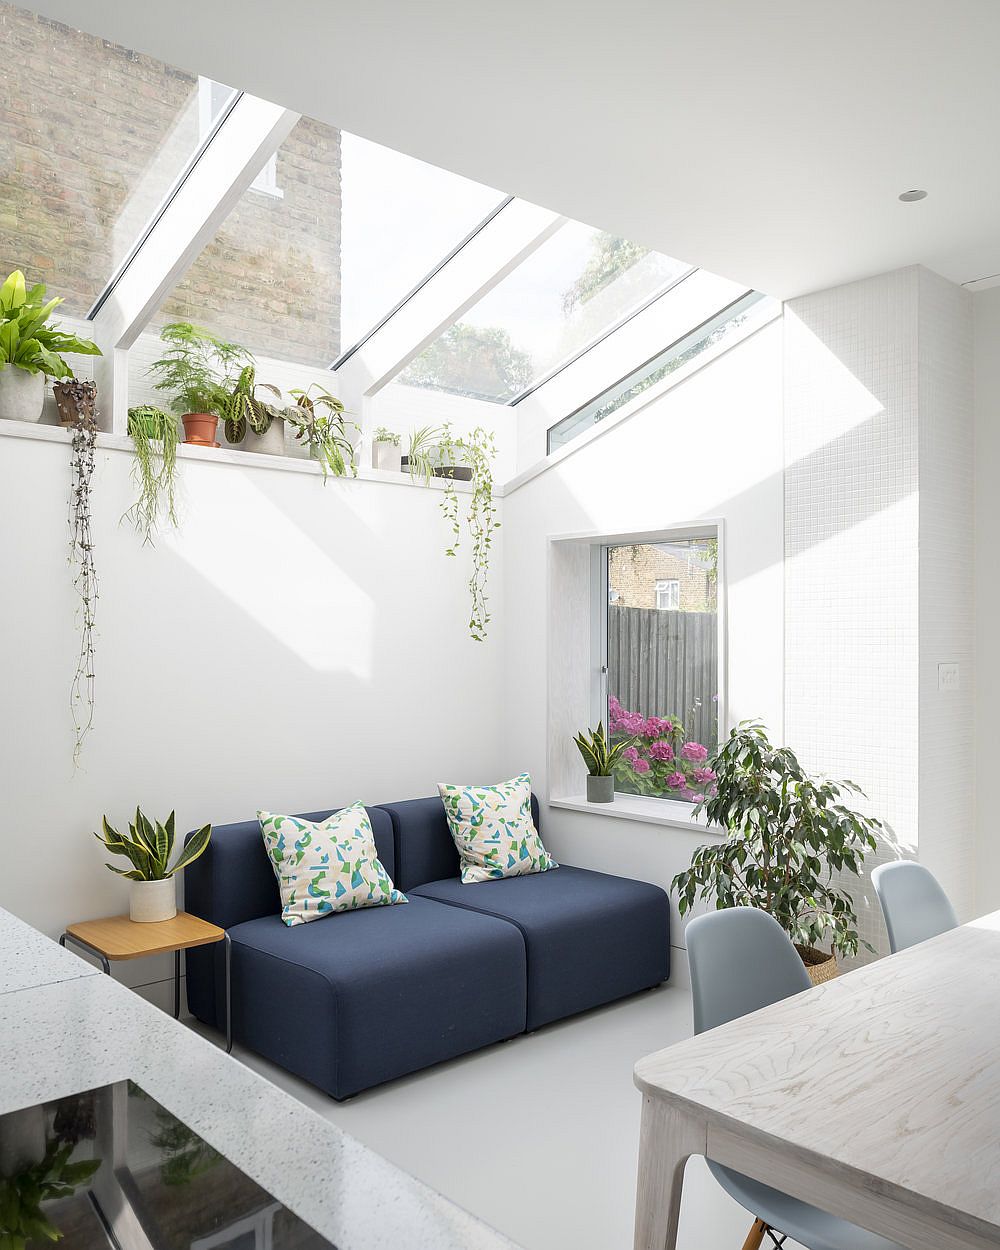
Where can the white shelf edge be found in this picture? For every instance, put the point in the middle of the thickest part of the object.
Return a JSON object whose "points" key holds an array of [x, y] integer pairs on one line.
{"points": [[635, 807]]}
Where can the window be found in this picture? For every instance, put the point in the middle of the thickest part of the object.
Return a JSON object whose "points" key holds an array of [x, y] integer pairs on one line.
{"points": [[668, 596], [92, 138], [661, 660], [746, 313], [576, 287], [212, 100]]}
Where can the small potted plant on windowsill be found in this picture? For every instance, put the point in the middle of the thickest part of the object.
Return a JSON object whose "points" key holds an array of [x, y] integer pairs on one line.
{"points": [[30, 350], [385, 451], [318, 420], [600, 760], [786, 833], [200, 371], [148, 846]]}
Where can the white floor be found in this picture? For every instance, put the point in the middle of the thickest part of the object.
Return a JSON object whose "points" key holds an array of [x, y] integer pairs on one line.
{"points": [[538, 1136]]}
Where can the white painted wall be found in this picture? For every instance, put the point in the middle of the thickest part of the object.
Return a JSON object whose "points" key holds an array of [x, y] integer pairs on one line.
{"points": [[710, 447], [986, 305], [291, 646]]}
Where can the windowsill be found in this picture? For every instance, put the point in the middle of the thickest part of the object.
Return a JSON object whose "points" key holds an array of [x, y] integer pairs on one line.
{"points": [[637, 807]]}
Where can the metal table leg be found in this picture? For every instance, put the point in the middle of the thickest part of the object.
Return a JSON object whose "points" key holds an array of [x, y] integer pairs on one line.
{"points": [[229, 995], [177, 985], [91, 950]]}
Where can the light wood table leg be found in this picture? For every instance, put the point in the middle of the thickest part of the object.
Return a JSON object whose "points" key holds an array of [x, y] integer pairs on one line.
{"points": [[667, 1139], [755, 1236]]}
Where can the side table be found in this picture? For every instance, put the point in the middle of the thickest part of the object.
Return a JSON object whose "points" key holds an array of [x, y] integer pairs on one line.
{"points": [[118, 937]]}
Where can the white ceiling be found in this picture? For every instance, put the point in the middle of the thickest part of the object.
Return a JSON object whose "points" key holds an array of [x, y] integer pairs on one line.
{"points": [[767, 141]]}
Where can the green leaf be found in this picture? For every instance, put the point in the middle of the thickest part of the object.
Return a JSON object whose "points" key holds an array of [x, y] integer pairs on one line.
{"points": [[195, 846]]}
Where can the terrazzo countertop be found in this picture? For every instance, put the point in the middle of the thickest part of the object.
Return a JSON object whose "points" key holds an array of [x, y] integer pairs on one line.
{"points": [[66, 1028]]}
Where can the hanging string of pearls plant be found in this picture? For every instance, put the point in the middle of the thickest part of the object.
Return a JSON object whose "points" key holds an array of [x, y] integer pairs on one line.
{"points": [[81, 555]]}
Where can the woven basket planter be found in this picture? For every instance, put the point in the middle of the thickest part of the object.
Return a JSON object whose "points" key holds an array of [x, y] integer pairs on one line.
{"points": [[820, 966]]}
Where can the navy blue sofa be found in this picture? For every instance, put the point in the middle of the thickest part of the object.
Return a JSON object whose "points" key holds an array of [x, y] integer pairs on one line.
{"points": [[361, 997]]}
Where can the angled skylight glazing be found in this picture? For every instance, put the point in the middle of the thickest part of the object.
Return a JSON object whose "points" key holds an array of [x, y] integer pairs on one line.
{"points": [[92, 138], [575, 288]]}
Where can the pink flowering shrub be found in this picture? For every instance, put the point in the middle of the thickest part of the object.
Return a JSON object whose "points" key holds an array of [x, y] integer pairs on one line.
{"points": [[659, 762]]}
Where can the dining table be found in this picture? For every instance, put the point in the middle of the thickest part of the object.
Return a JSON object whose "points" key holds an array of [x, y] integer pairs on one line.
{"points": [[874, 1096]]}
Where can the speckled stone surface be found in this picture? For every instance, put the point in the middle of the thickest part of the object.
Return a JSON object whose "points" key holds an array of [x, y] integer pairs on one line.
{"points": [[29, 958], [63, 1036]]}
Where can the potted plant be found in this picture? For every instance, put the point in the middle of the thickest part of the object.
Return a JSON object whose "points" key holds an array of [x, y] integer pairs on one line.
{"points": [[421, 457], [600, 759], [35, 1180], [31, 350], [155, 434], [786, 834], [385, 450], [469, 457], [148, 847], [199, 371], [318, 422], [76, 401], [253, 422]]}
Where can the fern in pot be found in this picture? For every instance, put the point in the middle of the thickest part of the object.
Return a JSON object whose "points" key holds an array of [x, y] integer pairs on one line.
{"points": [[149, 847], [786, 836]]}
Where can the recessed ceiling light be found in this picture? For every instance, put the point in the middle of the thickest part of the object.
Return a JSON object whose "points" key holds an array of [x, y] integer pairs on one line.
{"points": [[908, 197]]}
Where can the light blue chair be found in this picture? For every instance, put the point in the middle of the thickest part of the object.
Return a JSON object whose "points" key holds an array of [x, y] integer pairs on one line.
{"points": [[742, 960], [913, 904]]}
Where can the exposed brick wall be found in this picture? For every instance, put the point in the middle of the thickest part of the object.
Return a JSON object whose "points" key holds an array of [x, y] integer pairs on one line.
{"points": [[91, 137], [634, 571]]}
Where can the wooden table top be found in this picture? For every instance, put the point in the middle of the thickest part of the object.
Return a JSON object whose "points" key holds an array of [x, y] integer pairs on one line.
{"points": [[118, 937], [890, 1073]]}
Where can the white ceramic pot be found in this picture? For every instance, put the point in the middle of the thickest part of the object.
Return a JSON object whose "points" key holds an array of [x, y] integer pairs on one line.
{"points": [[152, 900], [270, 443], [385, 457], [22, 394]]}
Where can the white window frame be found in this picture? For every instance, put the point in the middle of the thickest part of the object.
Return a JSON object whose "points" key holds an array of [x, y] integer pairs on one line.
{"points": [[709, 528], [670, 589], [266, 181]]}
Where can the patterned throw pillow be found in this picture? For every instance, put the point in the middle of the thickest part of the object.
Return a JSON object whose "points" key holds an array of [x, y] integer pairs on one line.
{"points": [[326, 867], [493, 830]]}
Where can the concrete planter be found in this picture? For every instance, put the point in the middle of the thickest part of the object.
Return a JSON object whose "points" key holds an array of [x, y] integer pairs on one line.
{"points": [[152, 900], [270, 443], [386, 457], [600, 789], [22, 394]]}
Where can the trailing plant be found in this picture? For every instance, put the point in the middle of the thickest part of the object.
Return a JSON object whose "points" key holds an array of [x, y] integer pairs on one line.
{"points": [[199, 370], [599, 756], [83, 446], [26, 342], [22, 1220], [422, 453], [786, 835], [318, 421], [476, 450], [382, 435], [149, 845], [155, 434]]}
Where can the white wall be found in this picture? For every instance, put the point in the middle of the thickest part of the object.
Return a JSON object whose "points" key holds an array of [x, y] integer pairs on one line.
{"points": [[986, 306], [291, 646], [710, 447]]}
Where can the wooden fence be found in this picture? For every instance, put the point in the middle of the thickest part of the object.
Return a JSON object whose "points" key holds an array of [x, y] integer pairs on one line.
{"points": [[666, 663]]}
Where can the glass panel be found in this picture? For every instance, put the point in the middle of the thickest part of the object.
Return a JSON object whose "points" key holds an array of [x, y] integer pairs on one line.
{"points": [[331, 235], [568, 293], [663, 665], [728, 322], [92, 137], [401, 219]]}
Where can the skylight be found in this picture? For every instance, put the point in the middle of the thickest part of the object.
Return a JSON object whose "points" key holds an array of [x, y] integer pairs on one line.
{"points": [[575, 288]]}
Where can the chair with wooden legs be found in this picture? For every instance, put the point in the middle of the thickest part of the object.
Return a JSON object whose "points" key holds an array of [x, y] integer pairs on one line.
{"points": [[742, 960]]}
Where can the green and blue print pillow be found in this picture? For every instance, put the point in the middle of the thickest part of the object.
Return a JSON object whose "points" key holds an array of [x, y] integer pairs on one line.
{"points": [[328, 866], [493, 830]]}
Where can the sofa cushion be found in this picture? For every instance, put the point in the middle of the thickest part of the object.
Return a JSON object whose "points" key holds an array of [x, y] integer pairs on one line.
{"points": [[424, 847], [326, 866], [376, 993], [493, 830], [590, 938]]}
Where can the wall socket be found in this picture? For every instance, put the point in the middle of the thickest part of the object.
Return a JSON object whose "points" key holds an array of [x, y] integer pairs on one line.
{"points": [[948, 677]]}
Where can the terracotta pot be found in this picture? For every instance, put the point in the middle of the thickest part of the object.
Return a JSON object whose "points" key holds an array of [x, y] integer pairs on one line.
{"points": [[200, 428], [820, 966], [152, 900]]}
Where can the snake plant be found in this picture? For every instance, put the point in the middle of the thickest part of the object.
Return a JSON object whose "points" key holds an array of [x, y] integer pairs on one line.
{"points": [[149, 845], [598, 756]]}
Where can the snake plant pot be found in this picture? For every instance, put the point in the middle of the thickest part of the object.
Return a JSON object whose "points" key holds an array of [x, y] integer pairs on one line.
{"points": [[200, 428], [386, 457], [152, 900], [600, 789], [270, 443], [820, 966], [22, 394]]}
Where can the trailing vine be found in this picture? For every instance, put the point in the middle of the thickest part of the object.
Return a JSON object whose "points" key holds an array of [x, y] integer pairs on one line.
{"points": [[476, 450], [155, 434], [81, 555]]}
